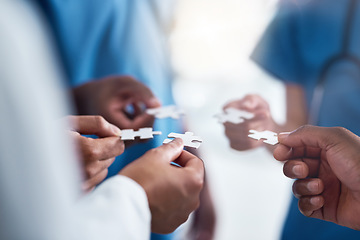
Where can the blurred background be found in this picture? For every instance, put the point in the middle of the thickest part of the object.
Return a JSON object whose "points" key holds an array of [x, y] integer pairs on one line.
{"points": [[211, 42]]}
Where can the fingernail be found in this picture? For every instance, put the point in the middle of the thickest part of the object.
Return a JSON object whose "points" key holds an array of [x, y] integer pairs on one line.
{"points": [[115, 130], [297, 170], [177, 141], [315, 201], [313, 186]]}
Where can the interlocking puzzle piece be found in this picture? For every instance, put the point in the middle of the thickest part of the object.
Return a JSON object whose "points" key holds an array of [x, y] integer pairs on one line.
{"points": [[189, 139], [234, 115], [270, 137], [142, 133], [165, 112]]}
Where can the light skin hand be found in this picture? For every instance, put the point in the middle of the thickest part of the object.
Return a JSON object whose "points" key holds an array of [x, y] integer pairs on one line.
{"points": [[110, 96], [237, 133], [326, 162], [173, 192], [296, 116], [96, 154]]}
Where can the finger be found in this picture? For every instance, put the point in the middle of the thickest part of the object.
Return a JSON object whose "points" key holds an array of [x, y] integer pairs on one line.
{"points": [[308, 205], [143, 120], [296, 169], [141, 92], [120, 119], [138, 109], [284, 153], [311, 136], [94, 168], [168, 152], [308, 187], [105, 148], [94, 125], [245, 103], [250, 102], [152, 102], [91, 183], [191, 162]]}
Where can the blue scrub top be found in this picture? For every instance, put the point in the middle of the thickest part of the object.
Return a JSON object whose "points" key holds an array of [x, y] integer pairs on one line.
{"points": [[294, 48], [98, 38]]}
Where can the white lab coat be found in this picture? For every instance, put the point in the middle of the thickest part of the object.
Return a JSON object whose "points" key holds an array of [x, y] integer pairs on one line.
{"points": [[39, 176]]}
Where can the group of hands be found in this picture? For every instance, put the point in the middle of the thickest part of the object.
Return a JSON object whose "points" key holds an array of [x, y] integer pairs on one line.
{"points": [[324, 161], [172, 192]]}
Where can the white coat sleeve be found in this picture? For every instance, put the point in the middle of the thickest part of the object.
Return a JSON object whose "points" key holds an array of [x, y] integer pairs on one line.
{"points": [[40, 195]]}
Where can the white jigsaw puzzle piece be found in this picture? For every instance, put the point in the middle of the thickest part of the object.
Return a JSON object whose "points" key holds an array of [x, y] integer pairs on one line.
{"points": [[189, 139], [234, 115], [270, 137], [171, 111], [142, 133]]}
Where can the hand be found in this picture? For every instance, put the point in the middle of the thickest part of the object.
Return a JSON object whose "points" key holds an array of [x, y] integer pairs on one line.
{"points": [[96, 154], [173, 192], [237, 133], [109, 97], [327, 163]]}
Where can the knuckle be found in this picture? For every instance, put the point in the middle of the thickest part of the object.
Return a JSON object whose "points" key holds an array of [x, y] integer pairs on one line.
{"points": [[249, 96], [182, 219], [95, 153], [90, 171], [129, 78], [121, 147], [197, 182], [339, 130], [196, 204], [267, 114], [305, 128], [100, 122], [154, 152]]}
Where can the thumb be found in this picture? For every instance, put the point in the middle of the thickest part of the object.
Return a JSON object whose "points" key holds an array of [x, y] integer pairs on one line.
{"points": [[311, 136], [302, 139], [171, 151], [94, 125]]}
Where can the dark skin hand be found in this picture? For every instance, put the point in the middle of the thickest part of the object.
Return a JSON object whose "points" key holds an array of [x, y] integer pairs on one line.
{"points": [[326, 164], [96, 154], [111, 96]]}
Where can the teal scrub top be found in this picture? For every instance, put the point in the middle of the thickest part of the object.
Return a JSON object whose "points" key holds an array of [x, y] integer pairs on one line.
{"points": [[295, 48]]}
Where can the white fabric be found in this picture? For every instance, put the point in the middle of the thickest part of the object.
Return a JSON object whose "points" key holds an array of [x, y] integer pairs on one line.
{"points": [[39, 176]]}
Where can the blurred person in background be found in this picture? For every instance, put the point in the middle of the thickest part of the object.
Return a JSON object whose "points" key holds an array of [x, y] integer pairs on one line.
{"points": [[122, 38], [40, 192], [313, 47]]}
